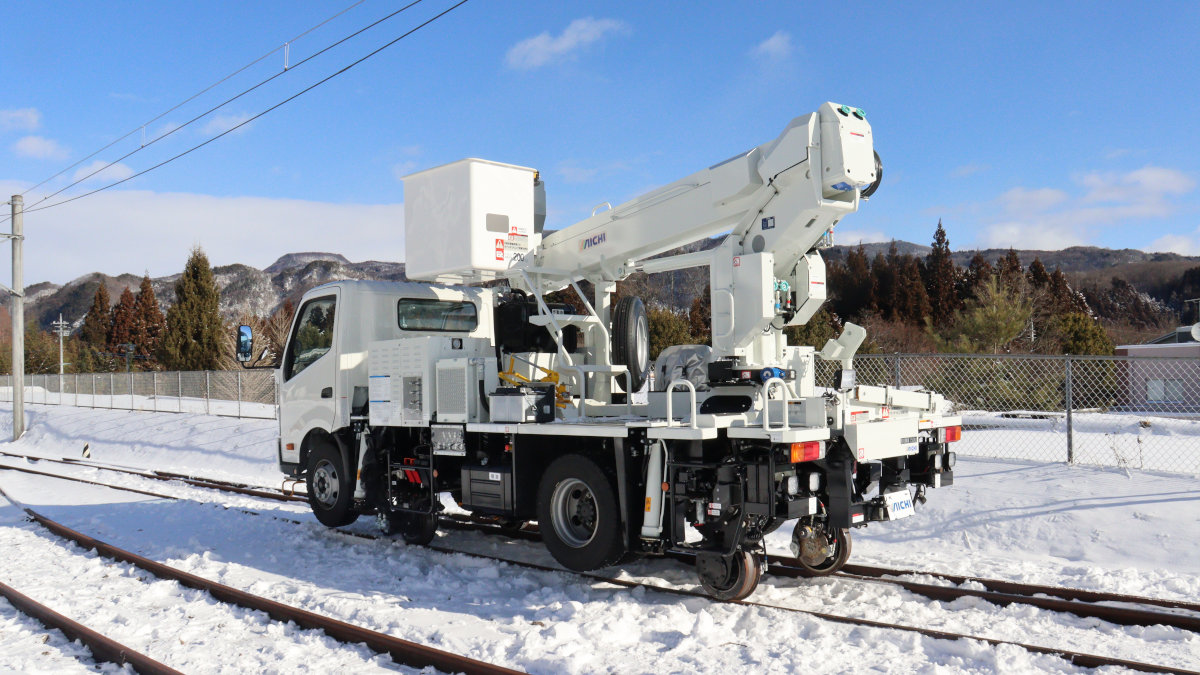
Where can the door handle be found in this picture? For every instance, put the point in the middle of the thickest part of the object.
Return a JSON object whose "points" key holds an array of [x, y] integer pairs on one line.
{"points": [[327, 392]]}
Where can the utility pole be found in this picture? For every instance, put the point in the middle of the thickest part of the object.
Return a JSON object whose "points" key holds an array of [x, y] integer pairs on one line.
{"points": [[18, 315], [61, 328]]}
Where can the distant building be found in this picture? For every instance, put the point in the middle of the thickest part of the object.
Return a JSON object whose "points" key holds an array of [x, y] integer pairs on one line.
{"points": [[1169, 385]]}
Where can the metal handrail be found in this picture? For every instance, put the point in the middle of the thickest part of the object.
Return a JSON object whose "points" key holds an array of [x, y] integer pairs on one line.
{"points": [[691, 399], [766, 393]]}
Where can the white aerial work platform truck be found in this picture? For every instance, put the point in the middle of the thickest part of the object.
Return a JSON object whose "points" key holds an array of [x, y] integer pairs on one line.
{"points": [[394, 395]]}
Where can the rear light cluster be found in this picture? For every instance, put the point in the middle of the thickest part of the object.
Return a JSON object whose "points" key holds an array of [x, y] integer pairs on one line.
{"points": [[807, 451], [950, 434]]}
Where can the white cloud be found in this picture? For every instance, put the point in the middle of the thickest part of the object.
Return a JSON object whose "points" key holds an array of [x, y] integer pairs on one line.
{"points": [[775, 48], [221, 123], [133, 231], [541, 50], [969, 170], [20, 119], [1176, 243], [1054, 218], [115, 172], [1020, 200], [856, 237], [1145, 184], [39, 147]]}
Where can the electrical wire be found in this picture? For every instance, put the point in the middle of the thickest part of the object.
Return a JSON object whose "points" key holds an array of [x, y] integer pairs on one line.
{"points": [[192, 98], [227, 102]]}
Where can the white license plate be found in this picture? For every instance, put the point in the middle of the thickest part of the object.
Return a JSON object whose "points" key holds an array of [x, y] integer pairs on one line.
{"points": [[899, 504]]}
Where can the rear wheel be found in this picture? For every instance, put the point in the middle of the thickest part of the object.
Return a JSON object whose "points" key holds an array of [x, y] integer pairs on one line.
{"points": [[330, 492], [578, 514], [821, 553], [417, 529], [728, 578]]}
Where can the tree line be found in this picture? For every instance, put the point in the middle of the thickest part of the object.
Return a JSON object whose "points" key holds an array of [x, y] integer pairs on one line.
{"points": [[135, 334], [926, 304]]}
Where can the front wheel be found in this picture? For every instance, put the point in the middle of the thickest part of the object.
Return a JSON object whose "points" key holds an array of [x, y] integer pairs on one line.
{"points": [[578, 514], [728, 578], [330, 491]]}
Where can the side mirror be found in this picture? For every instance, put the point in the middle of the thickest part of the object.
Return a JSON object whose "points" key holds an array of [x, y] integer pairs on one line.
{"points": [[245, 342]]}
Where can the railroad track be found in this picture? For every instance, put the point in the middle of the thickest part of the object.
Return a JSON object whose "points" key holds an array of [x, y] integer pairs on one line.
{"points": [[104, 649], [1127, 616], [401, 651]]}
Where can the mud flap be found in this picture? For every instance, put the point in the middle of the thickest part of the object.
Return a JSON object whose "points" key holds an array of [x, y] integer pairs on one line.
{"points": [[839, 484]]}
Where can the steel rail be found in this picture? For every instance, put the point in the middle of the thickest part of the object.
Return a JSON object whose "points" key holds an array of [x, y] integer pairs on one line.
{"points": [[1077, 658], [402, 651], [225, 486], [1074, 601], [103, 648], [999, 591]]}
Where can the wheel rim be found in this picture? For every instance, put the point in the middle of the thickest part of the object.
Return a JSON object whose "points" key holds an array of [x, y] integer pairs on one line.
{"points": [[326, 486], [642, 344], [573, 513]]}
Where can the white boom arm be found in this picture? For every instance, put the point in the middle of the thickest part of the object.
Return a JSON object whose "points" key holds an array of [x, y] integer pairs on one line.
{"points": [[777, 201]]}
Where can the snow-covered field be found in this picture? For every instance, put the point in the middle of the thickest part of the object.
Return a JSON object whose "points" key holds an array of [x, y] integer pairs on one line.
{"points": [[1119, 530]]}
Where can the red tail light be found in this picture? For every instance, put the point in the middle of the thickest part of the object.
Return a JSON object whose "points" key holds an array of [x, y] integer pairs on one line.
{"points": [[951, 434], [806, 451]]}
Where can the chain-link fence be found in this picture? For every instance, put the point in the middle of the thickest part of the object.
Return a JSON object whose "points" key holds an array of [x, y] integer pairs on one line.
{"points": [[249, 393], [1135, 412]]}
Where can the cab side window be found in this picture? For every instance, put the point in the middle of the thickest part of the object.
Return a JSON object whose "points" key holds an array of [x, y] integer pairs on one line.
{"points": [[313, 336]]}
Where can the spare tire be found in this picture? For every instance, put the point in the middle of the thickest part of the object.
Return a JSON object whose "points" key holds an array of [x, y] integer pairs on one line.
{"points": [[631, 340]]}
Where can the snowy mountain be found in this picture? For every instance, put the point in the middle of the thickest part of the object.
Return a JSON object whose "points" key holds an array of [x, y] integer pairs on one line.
{"points": [[244, 289]]}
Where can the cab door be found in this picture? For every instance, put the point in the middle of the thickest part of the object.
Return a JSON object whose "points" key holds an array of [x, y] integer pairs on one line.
{"points": [[308, 374]]}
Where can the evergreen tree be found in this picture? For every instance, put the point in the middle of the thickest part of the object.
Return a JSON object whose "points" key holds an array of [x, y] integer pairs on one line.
{"points": [[667, 328], [700, 317], [822, 327], [886, 284], [192, 340], [98, 322], [989, 323], [912, 302], [979, 270], [148, 320], [1081, 334], [1012, 274], [1038, 277], [941, 275], [121, 333]]}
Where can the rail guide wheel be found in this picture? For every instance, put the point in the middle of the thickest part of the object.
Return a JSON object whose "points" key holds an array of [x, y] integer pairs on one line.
{"points": [[729, 577], [820, 552]]}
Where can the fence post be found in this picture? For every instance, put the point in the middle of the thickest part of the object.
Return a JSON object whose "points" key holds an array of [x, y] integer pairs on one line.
{"points": [[131, 391], [1069, 405], [179, 383], [76, 390], [239, 378], [896, 370], [207, 393], [111, 388], [154, 385], [93, 378]]}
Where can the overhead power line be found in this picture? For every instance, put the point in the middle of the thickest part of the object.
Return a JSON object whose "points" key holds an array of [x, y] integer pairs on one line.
{"points": [[264, 112], [193, 97], [221, 105]]}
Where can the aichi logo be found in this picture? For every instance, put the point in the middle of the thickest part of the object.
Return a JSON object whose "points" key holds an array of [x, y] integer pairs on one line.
{"points": [[594, 240]]}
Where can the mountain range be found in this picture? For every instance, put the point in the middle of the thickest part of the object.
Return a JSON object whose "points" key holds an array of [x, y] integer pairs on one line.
{"points": [[248, 290]]}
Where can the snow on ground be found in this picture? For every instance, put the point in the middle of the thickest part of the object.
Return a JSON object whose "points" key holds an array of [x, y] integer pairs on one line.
{"points": [[1106, 529]]}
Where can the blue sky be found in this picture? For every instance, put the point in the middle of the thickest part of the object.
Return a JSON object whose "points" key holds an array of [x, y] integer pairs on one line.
{"points": [[1018, 124]]}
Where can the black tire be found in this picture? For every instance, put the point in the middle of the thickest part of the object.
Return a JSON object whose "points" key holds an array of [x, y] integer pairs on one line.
{"points": [[728, 579], [840, 542], [417, 529], [330, 490], [631, 340], [578, 514]]}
